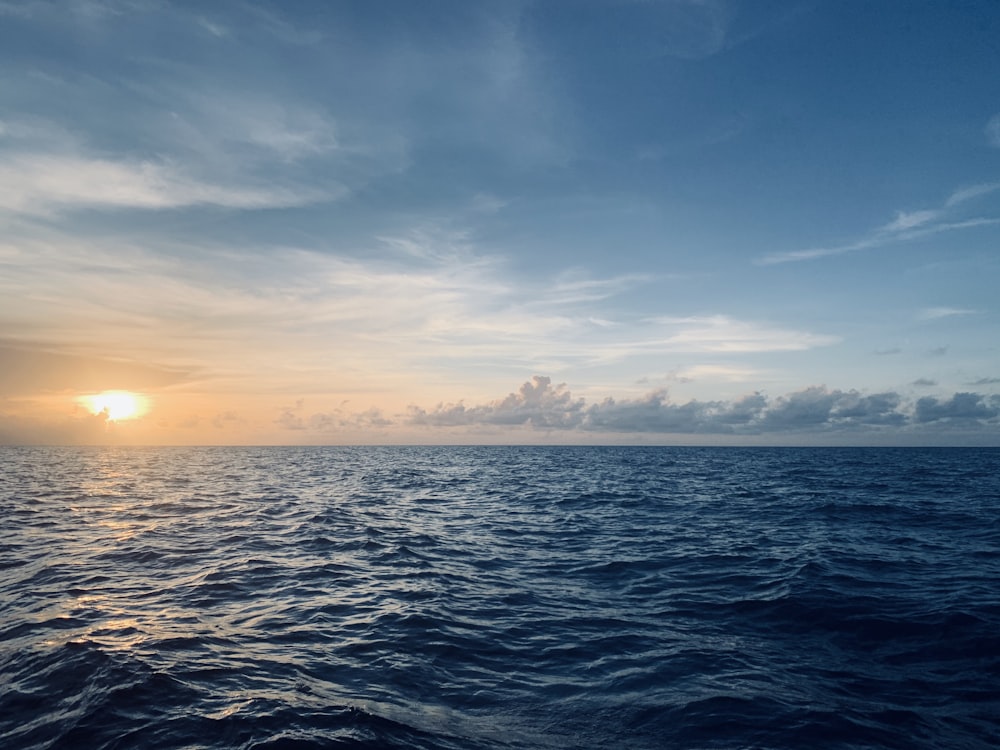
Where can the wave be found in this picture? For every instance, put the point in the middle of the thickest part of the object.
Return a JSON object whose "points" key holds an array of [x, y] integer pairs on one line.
{"points": [[499, 598]]}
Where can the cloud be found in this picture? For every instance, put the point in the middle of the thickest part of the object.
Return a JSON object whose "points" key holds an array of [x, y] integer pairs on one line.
{"points": [[280, 27], [540, 405], [215, 29], [225, 419], [254, 127], [992, 131], [575, 286], [974, 191], [909, 220], [423, 304], [185, 133], [291, 418], [370, 419], [537, 403], [962, 407], [727, 373], [986, 381], [907, 225], [689, 29], [340, 419], [813, 253], [44, 183], [936, 313], [655, 413], [818, 407], [722, 334], [924, 382]]}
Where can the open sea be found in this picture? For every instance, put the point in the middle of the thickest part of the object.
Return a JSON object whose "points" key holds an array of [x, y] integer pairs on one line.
{"points": [[493, 597]]}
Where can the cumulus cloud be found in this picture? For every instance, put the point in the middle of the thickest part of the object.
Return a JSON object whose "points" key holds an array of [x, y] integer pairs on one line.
{"points": [[289, 419], [818, 407], [292, 418], [372, 418], [962, 407], [655, 413], [539, 404], [227, 419]]}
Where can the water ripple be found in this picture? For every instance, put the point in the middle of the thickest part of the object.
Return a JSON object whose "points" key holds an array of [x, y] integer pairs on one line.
{"points": [[499, 598]]}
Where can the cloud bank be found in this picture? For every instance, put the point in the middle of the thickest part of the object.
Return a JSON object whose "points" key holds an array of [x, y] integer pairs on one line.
{"points": [[541, 410], [540, 405]]}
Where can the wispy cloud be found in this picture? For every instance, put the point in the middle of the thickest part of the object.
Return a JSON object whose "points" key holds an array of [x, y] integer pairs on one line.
{"points": [[576, 286], [973, 191], [215, 29], [437, 306], [936, 313], [414, 306], [253, 125], [691, 29], [722, 334], [723, 372], [46, 183], [907, 225], [909, 220], [992, 131]]}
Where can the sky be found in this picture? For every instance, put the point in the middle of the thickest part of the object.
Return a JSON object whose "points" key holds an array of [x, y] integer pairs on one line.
{"points": [[593, 221]]}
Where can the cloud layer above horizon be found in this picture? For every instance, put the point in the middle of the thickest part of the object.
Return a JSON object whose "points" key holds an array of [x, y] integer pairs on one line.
{"points": [[540, 411], [541, 406]]}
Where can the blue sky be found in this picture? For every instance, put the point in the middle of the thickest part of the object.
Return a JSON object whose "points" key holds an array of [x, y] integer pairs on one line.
{"points": [[620, 221]]}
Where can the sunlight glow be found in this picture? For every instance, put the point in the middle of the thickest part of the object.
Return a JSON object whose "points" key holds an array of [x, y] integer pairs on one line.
{"points": [[117, 405]]}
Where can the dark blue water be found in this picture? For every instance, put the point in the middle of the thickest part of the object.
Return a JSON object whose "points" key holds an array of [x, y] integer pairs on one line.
{"points": [[499, 598]]}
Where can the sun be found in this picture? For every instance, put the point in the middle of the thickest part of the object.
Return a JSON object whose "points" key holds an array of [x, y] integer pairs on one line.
{"points": [[117, 405]]}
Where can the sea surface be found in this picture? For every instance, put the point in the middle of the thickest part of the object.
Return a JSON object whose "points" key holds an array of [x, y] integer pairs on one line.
{"points": [[492, 597]]}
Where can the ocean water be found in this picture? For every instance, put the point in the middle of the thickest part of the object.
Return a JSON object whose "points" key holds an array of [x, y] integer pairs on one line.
{"points": [[411, 597]]}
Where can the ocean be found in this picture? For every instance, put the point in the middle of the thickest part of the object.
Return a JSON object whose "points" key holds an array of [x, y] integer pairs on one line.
{"points": [[499, 597]]}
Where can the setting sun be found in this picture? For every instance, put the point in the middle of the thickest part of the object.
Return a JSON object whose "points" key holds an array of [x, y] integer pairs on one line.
{"points": [[116, 404]]}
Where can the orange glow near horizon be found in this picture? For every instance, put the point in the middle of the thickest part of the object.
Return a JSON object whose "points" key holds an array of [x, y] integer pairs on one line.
{"points": [[118, 405]]}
